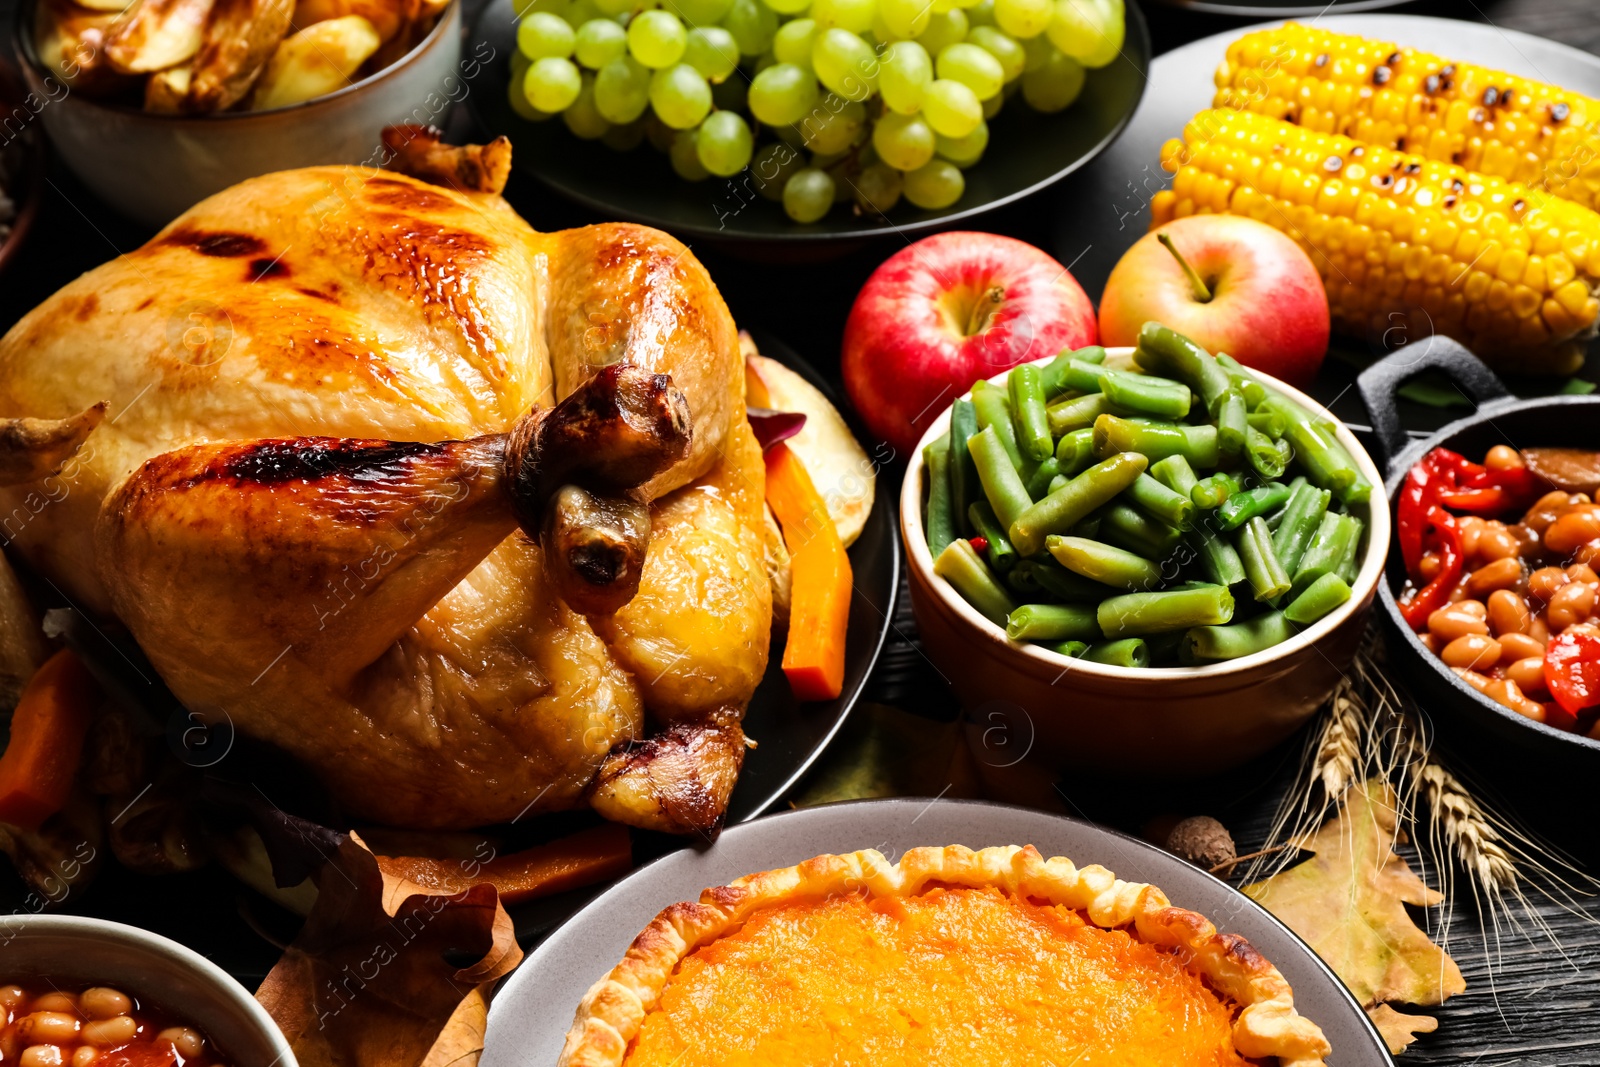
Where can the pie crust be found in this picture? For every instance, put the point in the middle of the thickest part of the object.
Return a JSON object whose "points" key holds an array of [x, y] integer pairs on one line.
{"points": [[1267, 1025]]}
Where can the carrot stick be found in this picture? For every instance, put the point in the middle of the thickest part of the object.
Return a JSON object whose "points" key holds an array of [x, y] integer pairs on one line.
{"points": [[46, 746], [567, 863], [819, 603]]}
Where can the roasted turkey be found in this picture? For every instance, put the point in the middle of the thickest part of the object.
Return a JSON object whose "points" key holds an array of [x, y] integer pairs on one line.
{"points": [[466, 517]]}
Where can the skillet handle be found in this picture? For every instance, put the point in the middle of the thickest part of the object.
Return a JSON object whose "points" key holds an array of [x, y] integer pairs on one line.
{"points": [[1379, 383]]}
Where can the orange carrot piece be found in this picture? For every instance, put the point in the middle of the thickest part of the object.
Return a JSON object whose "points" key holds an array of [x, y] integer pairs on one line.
{"points": [[819, 601], [580, 859], [46, 746]]}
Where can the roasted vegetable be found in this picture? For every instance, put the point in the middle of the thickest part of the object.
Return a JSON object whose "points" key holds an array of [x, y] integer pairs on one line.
{"points": [[47, 730], [318, 60], [156, 34], [239, 39]]}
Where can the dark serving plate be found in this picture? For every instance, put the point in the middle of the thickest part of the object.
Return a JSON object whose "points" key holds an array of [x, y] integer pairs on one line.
{"points": [[534, 1007], [1555, 421], [1027, 152]]}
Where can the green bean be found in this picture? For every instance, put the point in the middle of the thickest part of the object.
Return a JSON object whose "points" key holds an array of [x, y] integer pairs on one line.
{"points": [[1002, 557], [1051, 376], [936, 472], [1146, 394], [1210, 492], [1081, 375], [1232, 423], [1131, 529], [1156, 440], [1268, 422], [1208, 644], [1132, 652], [1075, 450], [1053, 622], [964, 487], [1061, 510], [994, 410], [1089, 525], [1164, 349], [1136, 614], [1064, 585], [1324, 460], [1319, 598], [1079, 412], [1175, 473], [1326, 550], [1001, 482], [1268, 456], [1261, 567], [1243, 506], [1027, 413], [1090, 354], [1218, 558], [1056, 483], [1302, 516], [1070, 649], [1021, 579], [959, 565], [1159, 501], [1039, 482], [1103, 563], [1163, 647], [1248, 384], [1350, 561]]}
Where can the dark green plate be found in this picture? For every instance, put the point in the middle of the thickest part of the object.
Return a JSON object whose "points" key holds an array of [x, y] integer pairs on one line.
{"points": [[1027, 151]]}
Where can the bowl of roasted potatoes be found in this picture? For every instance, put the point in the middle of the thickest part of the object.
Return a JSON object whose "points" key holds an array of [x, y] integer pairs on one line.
{"points": [[157, 104]]}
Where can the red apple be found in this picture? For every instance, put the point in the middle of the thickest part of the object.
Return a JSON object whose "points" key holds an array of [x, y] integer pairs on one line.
{"points": [[942, 313], [1262, 301]]}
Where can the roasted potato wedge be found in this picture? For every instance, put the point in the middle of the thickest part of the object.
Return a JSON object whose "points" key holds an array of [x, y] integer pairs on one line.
{"points": [[241, 36], [165, 90], [319, 59], [71, 43], [386, 16], [156, 34]]}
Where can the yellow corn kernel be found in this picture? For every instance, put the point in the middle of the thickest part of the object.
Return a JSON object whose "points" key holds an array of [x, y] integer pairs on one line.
{"points": [[1524, 302]]}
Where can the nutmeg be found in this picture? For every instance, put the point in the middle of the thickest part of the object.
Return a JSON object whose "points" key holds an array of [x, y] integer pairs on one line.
{"points": [[1203, 841]]}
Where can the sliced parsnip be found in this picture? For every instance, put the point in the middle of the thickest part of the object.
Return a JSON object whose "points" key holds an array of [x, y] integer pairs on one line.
{"points": [[157, 34], [317, 60], [165, 89]]}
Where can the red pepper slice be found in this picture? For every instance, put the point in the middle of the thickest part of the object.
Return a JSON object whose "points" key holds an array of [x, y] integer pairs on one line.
{"points": [[1417, 495], [1572, 670], [1436, 594], [979, 544], [1489, 501]]}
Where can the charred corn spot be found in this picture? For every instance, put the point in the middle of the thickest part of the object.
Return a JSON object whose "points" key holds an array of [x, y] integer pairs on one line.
{"points": [[1510, 270], [1379, 93]]}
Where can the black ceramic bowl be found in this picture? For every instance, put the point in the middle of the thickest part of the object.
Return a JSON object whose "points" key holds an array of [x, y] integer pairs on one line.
{"points": [[1556, 421]]}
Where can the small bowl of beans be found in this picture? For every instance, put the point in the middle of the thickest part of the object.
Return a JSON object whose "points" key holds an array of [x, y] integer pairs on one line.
{"points": [[1494, 577], [76, 992]]}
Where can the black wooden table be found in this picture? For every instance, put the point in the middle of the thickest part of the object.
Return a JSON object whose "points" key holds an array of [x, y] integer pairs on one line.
{"points": [[1533, 1006]]}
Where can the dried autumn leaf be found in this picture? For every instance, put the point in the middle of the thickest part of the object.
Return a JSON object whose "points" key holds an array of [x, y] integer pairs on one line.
{"points": [[1398, 1029], [1348, 903]]}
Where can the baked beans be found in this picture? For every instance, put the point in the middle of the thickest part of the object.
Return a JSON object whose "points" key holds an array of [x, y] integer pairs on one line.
{"points": [[58, 1028]]}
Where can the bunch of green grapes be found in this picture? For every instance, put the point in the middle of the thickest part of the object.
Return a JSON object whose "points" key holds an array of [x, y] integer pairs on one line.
{"points": [[825, 101]]}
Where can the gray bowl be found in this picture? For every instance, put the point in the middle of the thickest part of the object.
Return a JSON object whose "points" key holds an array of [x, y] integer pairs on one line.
{"points": [[70, 949], [152, 168]]}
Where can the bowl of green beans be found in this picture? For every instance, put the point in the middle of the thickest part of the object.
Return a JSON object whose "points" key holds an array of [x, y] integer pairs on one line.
{"points": [[1161, 558]]}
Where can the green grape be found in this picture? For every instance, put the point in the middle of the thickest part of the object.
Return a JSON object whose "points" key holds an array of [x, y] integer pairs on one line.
{"points": [[752, 24], [657, 39], [807, 195], [793, 136], [877, 188], [772, 167], [543, 34], [1089, 31], [951, 108], [963, 151], [624, 138], [622, 89], [680, 95], [843, 174], [942, 6], [905, 18], [905, 142], [521, 104], [612, 8], [552, 83], [1005, 49], [763, 61], [992, 106], [944, 28], [937, 184], [524, 8], [846, 64], [699, 12], [724, 143], [711, 51], [827, 160], [904, 74], [581, 116], [581, 11], [1054, 85], [833, 125], [685, 157], [658, 133], [782, 94], [852, 15], [973, 67], [1024, 18], [730, 94], [794, 41], [789, 7], [598, 42], [982, 14], [1038, 51]]}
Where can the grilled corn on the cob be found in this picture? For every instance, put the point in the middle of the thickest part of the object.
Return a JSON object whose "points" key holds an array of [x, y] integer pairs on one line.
{"points": [[1403, 242], [1379, 93]]}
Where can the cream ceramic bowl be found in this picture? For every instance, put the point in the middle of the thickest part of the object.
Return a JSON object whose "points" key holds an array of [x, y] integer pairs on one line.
{"points": [[152, 168], [1171, 721], [73, 950]]}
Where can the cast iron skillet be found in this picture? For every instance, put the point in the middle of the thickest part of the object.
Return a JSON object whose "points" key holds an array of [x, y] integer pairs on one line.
{"points": [[1570, 421]]}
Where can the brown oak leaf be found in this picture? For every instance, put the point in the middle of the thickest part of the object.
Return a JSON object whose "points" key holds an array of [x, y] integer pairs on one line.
{"points": [[1399, 1029], [1348, 902]]}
